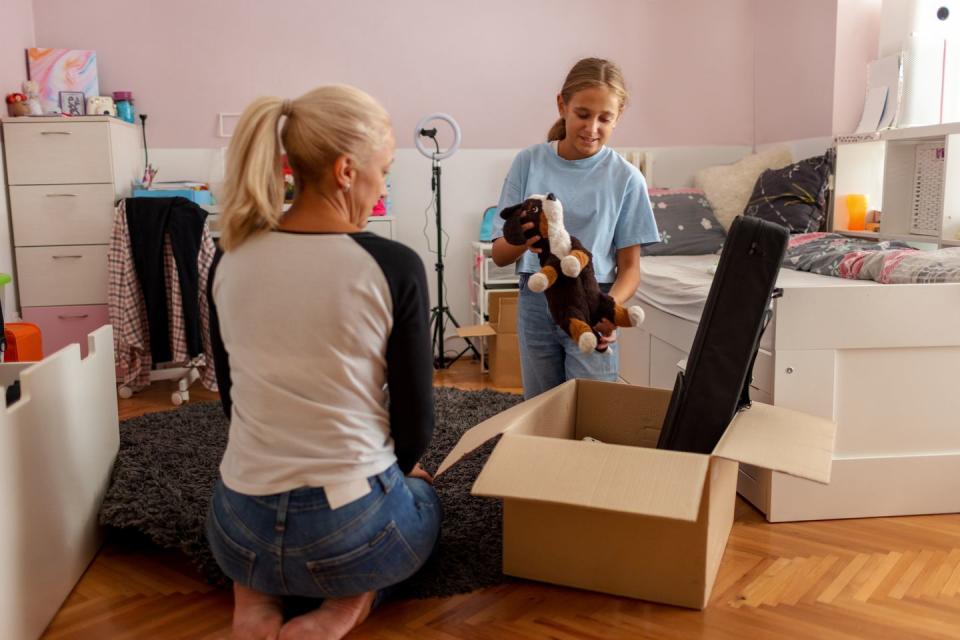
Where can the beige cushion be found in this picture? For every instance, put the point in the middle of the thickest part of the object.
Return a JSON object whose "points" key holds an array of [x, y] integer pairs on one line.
{"points": [[728, 187]]}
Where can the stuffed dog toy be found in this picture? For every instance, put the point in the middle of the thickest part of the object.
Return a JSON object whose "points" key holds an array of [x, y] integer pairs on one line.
{"points": [[577, 304]]}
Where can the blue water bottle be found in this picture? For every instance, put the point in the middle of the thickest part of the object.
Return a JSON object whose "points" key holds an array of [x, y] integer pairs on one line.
{"points": [[124, 103]]}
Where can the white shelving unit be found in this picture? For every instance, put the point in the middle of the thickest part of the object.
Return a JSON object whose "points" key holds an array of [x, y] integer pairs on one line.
{"points": [[487, 281], [912, 176], [487, 278]]}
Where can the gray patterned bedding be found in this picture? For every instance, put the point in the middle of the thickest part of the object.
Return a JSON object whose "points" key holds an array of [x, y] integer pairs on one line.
{"points": [[888, 262]]}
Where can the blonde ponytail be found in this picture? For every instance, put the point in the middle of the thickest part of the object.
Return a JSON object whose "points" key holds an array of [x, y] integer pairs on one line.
{"points": [[320, 126], [254, 182]]}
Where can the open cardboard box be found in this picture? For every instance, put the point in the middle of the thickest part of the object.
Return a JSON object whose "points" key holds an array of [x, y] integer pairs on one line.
{"points": [[621, 516], [501, 331]]}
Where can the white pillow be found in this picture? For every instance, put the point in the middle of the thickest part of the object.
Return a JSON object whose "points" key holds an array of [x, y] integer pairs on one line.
{"points": [[728, 187]]}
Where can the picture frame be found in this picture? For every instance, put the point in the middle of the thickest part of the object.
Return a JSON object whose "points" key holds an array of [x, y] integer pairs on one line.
{"points": [[73, 103]]}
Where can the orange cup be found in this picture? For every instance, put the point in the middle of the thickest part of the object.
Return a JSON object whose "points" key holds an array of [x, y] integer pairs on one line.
{"points": [[856, 212]]}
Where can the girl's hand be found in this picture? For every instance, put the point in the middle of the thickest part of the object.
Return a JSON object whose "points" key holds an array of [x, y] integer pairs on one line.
{"points": [[606, 341], [607, 334], [420, 472], [533, 240]]}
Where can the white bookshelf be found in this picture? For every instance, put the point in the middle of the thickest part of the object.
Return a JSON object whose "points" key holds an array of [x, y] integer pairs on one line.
{"points": [[883, 166]]}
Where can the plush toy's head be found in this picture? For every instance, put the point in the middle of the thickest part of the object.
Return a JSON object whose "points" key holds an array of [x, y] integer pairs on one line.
{"points": [[546, 214]]}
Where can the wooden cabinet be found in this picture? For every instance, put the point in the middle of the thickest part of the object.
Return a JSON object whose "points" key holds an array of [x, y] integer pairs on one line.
{"points": [[64, 178]]}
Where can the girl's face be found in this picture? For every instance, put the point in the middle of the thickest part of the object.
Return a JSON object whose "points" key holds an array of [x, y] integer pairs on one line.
{"points": [[590, 117], [371, 181]]}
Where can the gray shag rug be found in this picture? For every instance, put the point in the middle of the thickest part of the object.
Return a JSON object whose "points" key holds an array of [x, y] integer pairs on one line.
{"points": [[167, 466]]}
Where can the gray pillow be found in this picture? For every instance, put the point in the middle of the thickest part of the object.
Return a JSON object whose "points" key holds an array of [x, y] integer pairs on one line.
{"points": [[687, 224]]}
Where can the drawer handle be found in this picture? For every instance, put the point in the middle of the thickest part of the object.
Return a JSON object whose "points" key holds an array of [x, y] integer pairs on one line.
{"points": [[73, 316], [55, 133], [61, 195], [63, 257]]}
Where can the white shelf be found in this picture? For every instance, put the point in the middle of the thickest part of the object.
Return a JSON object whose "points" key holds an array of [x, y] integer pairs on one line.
{"points": [[903, 237], [63, 119], [927, 132], [884, 167]]}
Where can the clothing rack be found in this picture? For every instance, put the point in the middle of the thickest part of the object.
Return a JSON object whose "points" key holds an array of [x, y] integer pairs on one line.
{"points": [[147, 290], [184, 375]]}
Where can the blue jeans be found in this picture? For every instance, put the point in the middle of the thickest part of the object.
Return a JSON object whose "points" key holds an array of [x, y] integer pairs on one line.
{"points": [[548, 356], [293, 544]]}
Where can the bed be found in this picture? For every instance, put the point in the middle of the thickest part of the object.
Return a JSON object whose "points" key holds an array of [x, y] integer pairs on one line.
{"points": [[881, 360]]}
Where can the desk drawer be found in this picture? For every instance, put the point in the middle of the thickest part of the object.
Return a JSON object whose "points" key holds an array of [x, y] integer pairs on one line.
{"points": [[379, 226], [57, 152], [60, 326], [61, 214], [56, 276]]}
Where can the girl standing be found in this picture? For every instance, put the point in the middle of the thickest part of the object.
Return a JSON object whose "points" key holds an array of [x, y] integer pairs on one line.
{"points": [[605, 205]]}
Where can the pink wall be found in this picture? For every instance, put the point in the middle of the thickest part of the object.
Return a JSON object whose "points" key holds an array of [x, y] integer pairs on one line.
{"points": [[495, 65], [858, 29], [793, 76], [16, 34]]}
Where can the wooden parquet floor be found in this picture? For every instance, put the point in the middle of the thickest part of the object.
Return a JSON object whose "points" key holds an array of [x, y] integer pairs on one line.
{"points": [[896, 578]]}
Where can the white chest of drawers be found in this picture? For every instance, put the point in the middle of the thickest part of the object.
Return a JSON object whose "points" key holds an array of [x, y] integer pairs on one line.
{"points": [[64, 178]]}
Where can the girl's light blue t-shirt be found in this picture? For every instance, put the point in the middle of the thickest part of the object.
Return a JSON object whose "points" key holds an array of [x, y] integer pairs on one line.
{"points": [[604, 197]]}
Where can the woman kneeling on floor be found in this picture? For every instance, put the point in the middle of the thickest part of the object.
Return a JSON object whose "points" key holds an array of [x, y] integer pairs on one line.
{"points": [[320, 494]]}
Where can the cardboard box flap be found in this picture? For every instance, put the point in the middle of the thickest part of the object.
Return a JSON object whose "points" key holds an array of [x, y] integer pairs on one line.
{"points": [[780, 439], [636, 480], [487, 429], [476, 331]]}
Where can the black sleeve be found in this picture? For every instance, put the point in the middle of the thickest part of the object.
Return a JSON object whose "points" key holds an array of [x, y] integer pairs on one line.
{"points": [[221, 360], [409, 357]]}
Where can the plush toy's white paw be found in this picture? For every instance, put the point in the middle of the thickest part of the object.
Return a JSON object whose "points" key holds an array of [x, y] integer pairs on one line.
{"points": [[636, 315], [570, 266], [538, 283], [588, 342]]}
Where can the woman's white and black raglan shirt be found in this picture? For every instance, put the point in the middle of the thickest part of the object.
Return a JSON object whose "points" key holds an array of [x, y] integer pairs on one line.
{"points": [[312, 332]]}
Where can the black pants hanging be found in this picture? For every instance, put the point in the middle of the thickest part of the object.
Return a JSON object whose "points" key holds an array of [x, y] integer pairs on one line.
{"points": [[149, 220]]}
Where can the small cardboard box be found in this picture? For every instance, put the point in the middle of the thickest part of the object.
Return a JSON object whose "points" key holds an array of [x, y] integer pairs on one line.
{"points": [[503, 346], [621, 516]]}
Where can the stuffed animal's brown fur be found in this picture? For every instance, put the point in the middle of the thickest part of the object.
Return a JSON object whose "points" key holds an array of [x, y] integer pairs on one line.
{"points": [[566, 275]]}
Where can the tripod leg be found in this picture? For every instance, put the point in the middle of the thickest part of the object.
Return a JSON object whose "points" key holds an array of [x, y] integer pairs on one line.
{"points": [[436, 321], [469, 346]]}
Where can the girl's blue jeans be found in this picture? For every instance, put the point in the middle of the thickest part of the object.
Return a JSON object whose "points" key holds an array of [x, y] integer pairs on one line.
{"points": [[548, 357]]}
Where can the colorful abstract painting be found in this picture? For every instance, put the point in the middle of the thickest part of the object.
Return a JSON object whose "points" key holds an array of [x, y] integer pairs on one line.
{"points": [[56, 70]]}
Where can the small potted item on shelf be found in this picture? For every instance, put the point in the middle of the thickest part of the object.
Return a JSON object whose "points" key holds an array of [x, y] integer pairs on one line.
{"points": [[17, 105], [872, 222]]}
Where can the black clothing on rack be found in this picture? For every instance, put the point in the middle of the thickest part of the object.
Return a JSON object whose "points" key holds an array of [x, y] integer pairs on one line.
{"points": [[149, 220]]}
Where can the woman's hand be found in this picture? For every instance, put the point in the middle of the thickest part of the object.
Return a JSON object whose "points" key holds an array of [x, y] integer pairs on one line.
{"points": [[420, 472]]}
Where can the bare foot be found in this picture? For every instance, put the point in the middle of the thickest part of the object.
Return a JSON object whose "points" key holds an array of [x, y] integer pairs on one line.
{"points": [[256, 616], [334, 619]]}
